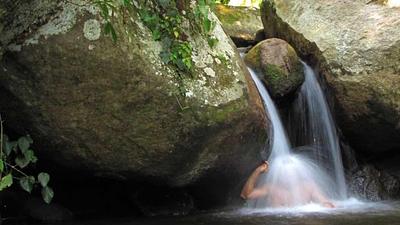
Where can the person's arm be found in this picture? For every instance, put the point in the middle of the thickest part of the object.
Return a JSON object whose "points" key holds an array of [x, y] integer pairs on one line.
{"points": [[248, 191], [317, 196]]}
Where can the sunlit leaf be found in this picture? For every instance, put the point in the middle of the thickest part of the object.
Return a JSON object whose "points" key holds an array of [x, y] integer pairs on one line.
{"points": [[6, 181]]}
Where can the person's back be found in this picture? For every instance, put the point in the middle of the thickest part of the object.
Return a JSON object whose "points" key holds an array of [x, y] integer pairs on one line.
{"points": [[283, 193]]}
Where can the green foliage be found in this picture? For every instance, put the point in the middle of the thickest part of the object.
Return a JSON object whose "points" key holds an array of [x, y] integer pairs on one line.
{"points": [[107, 11], [15, 156], [225, 2], [165, 25], [47, 194], [164, 20]]}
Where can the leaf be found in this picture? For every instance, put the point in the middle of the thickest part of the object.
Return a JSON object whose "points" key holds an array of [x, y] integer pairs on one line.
{"points": [[29, 155], [1, 166], [22, 162], [34, 159], [156, 34], [113, 34], [212, 42], [176, 34], [6, 182], [27, 183], [10, 146], [164, 3], [23, 144], [127, 2], [107, 27], [207, 25], [44, 179], [47, 194], [165, 57]]}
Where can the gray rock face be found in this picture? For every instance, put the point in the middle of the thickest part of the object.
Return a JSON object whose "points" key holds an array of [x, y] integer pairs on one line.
{"points": [[357, 47], [370, 183], [241, 24], [116, 109]]}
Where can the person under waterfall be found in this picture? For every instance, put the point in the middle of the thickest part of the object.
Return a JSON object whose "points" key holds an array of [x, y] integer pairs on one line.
{"points": [[280, 194]]}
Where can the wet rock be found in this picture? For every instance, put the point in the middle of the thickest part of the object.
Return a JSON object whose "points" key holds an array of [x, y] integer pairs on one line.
{"points": [[242, 24], [116, 110], [356, 47], [372, 184], [279, 65]]}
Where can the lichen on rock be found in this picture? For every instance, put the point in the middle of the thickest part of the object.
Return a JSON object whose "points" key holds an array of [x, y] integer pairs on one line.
{"points": [[92, 29]]}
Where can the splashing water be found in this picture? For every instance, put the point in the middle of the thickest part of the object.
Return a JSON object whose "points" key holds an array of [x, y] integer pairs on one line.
{"points": [[295, 179]]}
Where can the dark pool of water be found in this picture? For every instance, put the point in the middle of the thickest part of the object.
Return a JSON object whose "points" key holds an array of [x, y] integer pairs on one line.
{"points": [[386, 213]]}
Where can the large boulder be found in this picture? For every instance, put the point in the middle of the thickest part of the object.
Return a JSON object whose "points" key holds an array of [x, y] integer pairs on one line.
{"points": [[356, 45], [241, 23], [116, 110], [278, 65]]}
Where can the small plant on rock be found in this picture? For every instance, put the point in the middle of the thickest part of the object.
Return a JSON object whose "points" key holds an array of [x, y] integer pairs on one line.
{"points": [[15, 156]]}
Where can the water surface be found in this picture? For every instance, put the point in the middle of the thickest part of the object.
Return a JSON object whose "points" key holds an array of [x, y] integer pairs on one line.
{"points": [[350, 212]]}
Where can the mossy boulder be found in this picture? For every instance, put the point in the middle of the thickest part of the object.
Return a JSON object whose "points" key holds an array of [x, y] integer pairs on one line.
{"points": [[242, 24], [117, 110], [278, 65], [358, 54]]}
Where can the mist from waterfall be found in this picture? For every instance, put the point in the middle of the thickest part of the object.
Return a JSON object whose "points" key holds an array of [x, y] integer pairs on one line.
{"points": [[292, 173]]}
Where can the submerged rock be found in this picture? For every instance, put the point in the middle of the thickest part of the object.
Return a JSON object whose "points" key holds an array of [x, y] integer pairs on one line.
{"points": [[116, 110], [279, 65], [356, 45], [242, 24]]}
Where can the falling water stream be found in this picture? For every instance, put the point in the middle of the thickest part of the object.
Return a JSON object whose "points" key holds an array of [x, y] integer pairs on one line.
{"points": [[313, 125], [290, 174]]}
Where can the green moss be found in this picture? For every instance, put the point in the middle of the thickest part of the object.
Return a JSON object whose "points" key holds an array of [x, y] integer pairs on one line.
{"points": [[222, 114], [273, 72]]}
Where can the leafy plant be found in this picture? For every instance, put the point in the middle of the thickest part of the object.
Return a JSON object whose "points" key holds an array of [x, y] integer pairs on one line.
{"points": [[107, 11], [15, 156], [164, 20]]}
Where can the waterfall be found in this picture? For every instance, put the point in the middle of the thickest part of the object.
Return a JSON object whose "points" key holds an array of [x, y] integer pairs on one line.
{"points": [[293, 174], [312, 124], [280, 144]]}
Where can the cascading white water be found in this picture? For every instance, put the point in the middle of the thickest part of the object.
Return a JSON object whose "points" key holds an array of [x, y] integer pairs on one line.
{"points": [[293, 174], [312, 124], [290, 175], [280, 144]]}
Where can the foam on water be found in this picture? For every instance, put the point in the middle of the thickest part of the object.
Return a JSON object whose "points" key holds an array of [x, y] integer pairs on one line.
{"points": [[348, 206]]}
